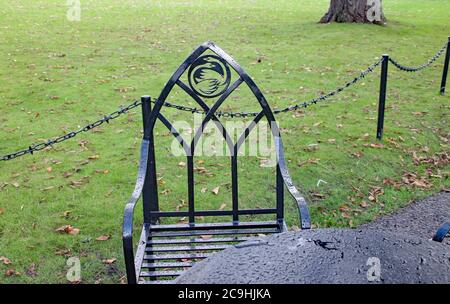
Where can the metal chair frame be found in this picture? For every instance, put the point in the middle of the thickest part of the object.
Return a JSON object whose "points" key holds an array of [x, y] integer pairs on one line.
{"points": [[165, 251]]}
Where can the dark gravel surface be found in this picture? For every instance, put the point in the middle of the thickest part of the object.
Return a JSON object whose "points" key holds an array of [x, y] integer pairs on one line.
{"points": [[402, 242], [421, 218], [331, 256]]}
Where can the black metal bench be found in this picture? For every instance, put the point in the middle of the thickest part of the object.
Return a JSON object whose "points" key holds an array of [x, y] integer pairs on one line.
{"points": [[165, 251]]}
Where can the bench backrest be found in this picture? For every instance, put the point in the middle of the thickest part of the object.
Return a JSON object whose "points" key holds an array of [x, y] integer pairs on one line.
{"points": [[201, 69]]}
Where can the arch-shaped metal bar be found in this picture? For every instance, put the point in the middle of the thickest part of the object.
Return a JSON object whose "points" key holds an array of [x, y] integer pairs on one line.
{"points": [[207, 109], [211, 113], [247, 130], [251, 84], [175, 133], [305, 219], [127, 229], [442, 232]]}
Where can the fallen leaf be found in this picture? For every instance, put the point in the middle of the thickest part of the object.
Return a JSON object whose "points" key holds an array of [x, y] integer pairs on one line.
{"points": [[183, 220], [206, 237], [49, 169], [5, 260], [68, 229], [357, 154], [216, 190], [311, 147], [377, 146], [344, 208], [48, 188], [2, 211], [364, 204], [11, 272], [183, 204], [109, 261], [203, 190], [103, 238], [345, 215], [181, 164], [222, 207], [67, 174], [314, 161], [31, 271], [265, 163], [63, 252], [93, 157]]}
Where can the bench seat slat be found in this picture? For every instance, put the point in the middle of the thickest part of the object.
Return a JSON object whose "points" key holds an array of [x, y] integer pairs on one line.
{"points": [[167, 265], [206, 226], [214, 232], [197, 240], [169, 273], [186, 248], [176, 256]]}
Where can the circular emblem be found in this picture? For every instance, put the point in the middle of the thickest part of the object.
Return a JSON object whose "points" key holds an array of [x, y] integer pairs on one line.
{"points": [[209, 76]]}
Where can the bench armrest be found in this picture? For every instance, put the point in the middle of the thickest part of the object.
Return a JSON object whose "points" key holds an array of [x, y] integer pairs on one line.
{"points": [[127, 229], [305, 219]]}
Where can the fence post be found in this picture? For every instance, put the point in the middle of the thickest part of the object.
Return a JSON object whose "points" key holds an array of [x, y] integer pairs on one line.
{"points": [[445, 72], [382, 98]]}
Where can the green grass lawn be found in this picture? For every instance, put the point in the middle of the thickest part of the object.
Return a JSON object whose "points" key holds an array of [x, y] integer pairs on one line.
{"points": [[57, 75]]}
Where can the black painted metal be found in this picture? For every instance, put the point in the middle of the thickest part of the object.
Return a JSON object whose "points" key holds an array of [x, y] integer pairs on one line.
{"points": [[199, 86], [445, 71], [382, 97], [442, 232], [150, 191]]}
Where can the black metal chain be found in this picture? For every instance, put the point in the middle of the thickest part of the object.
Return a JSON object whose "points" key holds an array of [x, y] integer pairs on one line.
{"points": [[421, 67], [297, 106], [40, 146], [37, 147]]}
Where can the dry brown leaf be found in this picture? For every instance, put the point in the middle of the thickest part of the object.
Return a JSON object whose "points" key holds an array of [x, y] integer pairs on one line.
{"points": [[181, 164], [200, 170], [203, 190], [345, 215], [48, 188], [11, 272], [5, 260], [31, 271], [377, 146], [68, 229], [109, 261], [2, 210], [49, 169], [357, 154], [103, 238], [311, 147], [314, 161], [222, 207], [94, 157], [206, 237], [364, 204], [67, 174], [216, 190], [344, 208]]}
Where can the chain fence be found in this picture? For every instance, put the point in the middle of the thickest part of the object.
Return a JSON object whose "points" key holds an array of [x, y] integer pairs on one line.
{"points": [[420, 67], [40, 146], [106, 119]]}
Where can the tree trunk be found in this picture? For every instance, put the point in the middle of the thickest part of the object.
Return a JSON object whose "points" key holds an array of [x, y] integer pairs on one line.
{"points": [[359, 11]]}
